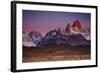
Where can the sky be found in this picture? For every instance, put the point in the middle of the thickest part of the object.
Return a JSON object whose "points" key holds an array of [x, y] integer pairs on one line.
{"points": [[44, 21]]}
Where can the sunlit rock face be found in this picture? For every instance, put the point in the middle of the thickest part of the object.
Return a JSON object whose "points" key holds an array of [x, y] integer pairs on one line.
{"points": [[74, 28]]}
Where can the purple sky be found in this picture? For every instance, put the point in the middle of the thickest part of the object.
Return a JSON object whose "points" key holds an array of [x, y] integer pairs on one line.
{"points": [[44, 21]]}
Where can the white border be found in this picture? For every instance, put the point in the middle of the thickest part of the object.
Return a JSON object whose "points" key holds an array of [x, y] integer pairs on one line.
{"points": [[37, 65]]}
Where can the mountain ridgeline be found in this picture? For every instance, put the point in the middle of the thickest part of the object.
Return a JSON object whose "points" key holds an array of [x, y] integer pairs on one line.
{"points": [[72, 36]]}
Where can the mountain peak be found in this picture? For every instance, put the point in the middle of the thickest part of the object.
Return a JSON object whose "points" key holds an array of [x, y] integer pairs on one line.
{"points": [[77, 24]]}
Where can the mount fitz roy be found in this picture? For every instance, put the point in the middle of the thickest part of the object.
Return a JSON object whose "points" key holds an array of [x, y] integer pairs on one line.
{"points": [[72, 35]]}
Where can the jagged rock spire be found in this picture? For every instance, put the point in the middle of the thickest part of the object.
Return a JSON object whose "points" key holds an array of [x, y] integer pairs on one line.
{"points": [[77, 24], [67, 29]]}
